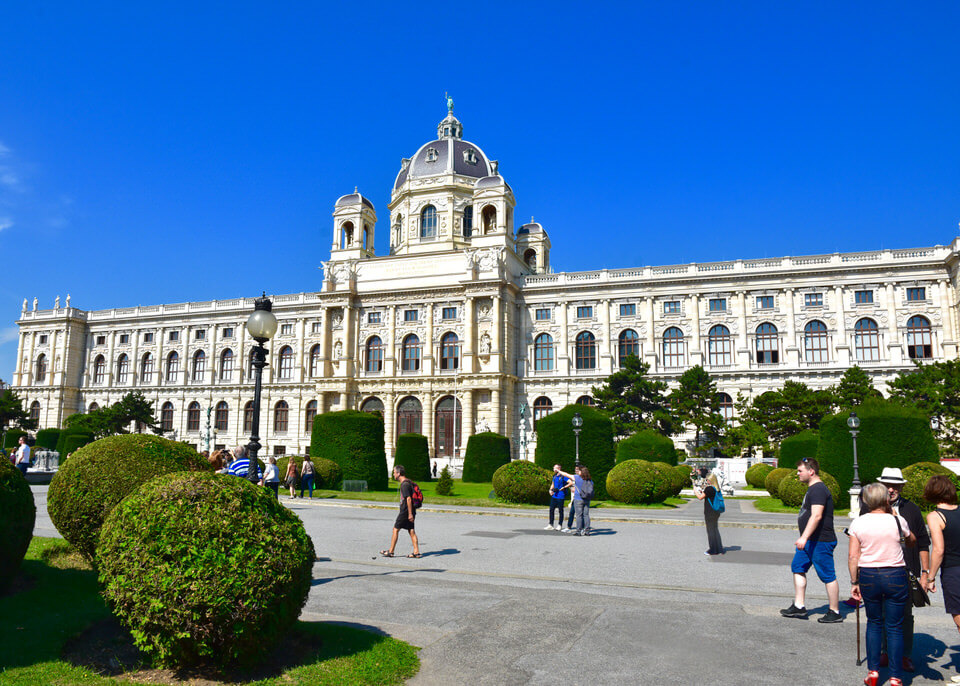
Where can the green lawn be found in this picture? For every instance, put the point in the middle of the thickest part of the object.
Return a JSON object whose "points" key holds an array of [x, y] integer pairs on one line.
{"points": [[63, 601], [769, 504]]}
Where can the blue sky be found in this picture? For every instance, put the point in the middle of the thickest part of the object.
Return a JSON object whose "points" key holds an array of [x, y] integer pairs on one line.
{"points": [[163, 152]]}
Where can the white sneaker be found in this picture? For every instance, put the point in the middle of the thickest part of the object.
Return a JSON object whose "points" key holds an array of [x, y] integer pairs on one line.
{"points": [[557, 527], [548, 527], [565, 530]]}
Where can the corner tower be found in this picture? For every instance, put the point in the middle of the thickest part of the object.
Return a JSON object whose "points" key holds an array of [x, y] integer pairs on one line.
{"points": [[354, 220]]}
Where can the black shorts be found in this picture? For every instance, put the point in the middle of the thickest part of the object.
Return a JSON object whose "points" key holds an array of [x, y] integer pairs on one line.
{"points": [[403, 521], [950, 587]]}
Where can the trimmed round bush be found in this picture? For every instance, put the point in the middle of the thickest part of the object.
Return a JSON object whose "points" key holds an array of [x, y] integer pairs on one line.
{"points": [[523, 482], [16, 524], [772, 482], [205, 569], [795, 448], [679, 479], [917, 476], [414, 454], [556, 443], [685, 470], [98, 476], [47, 439], [649, 445], [327, 474], [756, 475], [71, 440], [486, 453], [891, 435], [640, 481], [792, 490], [354, 440]]}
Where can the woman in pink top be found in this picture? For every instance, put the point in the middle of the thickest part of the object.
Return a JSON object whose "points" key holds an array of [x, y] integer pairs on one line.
{"points": [[879, 578]]}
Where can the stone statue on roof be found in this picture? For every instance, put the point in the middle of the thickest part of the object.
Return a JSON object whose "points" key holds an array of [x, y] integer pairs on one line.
{"points": [[449, 103]]}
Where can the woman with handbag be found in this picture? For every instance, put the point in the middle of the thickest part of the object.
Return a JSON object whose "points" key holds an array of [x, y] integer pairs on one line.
{"points": [[711, 515], [944, 523], [878, 576]]}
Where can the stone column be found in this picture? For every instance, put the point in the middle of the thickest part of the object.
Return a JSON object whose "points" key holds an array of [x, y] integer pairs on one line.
{"points": [[840, 344], [743, 348], [696, 351], [895, 354], [790, 335], [428, 346], [469, 335], [948, 330], [563, 352], [498, 411], [605, 361], [466, 404], [428, 414], [389, 425], [496, 345], [301, 372]]}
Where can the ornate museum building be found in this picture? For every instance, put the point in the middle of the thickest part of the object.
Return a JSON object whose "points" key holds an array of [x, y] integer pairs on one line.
{"points": [[464, 326]]}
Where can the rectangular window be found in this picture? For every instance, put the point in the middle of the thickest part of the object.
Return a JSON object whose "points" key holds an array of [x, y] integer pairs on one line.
{"points": [[43, 339], [916, 294], [174, 336], [316, 327], [449, 312], [279, 450], [718, 304], [228, 332], [373, 317], [863, 297], [764, 302], [148, 337], [543, 314], [286, 329], [671, 307], [628, 310], [200, 334], [584, 312], [813, 299], [101, 340], [410, 315], [124, 338]]}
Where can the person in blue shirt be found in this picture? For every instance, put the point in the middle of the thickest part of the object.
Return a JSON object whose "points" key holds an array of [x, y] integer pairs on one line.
{"points": [[241, 465], [558, 496]]}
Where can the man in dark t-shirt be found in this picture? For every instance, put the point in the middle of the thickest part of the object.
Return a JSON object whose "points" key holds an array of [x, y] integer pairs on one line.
{"points": [[406, 516], [815, 546]]}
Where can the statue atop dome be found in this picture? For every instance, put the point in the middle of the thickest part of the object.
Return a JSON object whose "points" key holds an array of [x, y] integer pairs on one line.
{"points": [[449, 103]]}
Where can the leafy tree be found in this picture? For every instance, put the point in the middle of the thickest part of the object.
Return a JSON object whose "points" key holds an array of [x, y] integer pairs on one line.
{"points": [[695, 402], [633, 401], [790, 410], [934, 389], [745, 438], [115, 419], [855, 386], [134, 407], [12, 413]]}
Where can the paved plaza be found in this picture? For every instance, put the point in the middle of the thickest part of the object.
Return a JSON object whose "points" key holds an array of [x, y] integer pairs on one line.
{"points": [[495, 599]]}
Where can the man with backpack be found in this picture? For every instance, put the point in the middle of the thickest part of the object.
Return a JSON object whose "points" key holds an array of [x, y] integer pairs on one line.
{"points": [[410, 499]]}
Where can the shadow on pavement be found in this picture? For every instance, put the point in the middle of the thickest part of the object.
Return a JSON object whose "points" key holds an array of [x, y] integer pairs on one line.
{"points": [[445, 551], [327, 580], [927, 649]]}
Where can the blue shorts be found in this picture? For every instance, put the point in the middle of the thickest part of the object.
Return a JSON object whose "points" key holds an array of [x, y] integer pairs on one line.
{"points": [[818, 554]]}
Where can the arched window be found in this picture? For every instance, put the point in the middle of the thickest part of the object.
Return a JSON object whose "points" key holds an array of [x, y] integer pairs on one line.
{"points": [[315, 361], [398, 231], [92, 407], [366, 237], [815, 342], [866, 340], [173, 366], [410, 353], [449, 426], [585, 400], [221, 416], [768, 349], [248, 417], [586, 351], [428, 222], [99, 370], [226, 364], [719, 348], [199, 366], [468, 221], [409, 416], [166, 417], [489, 216], [123, 368], [281, 417], [449, 352], [41, 375], [919, 338], [308, 416], [250, 369], [35, 412], [543, 353], [146, 368], [374, 355], [673, 347], [530, 258], [372, 404], [285, 372], [346, 235], [193, 416], [627, 344], [726, 405], [542, 406]]}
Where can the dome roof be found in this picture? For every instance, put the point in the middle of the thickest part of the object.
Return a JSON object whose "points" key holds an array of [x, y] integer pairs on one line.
{"points": [[352, 199], [448, 154], [532, 227]]}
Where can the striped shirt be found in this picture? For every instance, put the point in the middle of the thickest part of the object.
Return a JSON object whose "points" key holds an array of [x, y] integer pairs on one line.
{"points": [[241, 468]]}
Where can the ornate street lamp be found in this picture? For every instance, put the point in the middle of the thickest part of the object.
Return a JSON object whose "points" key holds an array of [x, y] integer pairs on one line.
{"points": [[261, 326], [577, 426], [853, 421]]}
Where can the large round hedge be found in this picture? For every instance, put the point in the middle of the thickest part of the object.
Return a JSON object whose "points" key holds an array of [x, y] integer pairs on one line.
{"points": [[792, 490], [917, 476], [772, 482], [354, 440], [795, 448], [648, 445], [414, 454], [101, 474], [685, 471], [523, 482], [641, 481], [556, 443], [486, 453], [205, 569], [16, 524], [891, 435], [757, 474]]}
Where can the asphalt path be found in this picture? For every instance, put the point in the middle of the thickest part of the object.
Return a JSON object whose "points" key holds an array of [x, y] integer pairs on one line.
{"points": [[496, 599]]}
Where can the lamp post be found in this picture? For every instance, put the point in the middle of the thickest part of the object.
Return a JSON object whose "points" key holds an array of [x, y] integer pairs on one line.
{"points": [[261, 326], [853, 421], [577, 425]]}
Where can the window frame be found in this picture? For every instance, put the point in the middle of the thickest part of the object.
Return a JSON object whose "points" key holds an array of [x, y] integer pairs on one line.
{"points": [[628, 309], [717, 305], [410, 353], [767, 343], [627, 345], [866, 340], [719, 346], [585, 351], [863, 297], [584, 311], [672, 348], [925, 333], [816, 342], [671, 307], [543, 353]]}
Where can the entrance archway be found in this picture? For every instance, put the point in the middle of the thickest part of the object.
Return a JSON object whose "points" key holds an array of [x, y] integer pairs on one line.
{"points": [[449, 426]]}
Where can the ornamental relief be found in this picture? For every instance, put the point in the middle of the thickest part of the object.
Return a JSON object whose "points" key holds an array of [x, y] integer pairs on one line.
{"points": [[879, 317], [484, 309]]}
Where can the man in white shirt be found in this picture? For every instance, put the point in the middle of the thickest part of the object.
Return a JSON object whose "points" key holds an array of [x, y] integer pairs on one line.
{"points": [[23, 456]]}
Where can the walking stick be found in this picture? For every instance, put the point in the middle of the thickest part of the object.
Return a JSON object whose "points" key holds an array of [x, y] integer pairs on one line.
{"points": [[859, 661]]}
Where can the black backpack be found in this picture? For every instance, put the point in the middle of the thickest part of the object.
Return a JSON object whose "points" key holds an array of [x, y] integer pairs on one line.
{"points": [[587, 491]]}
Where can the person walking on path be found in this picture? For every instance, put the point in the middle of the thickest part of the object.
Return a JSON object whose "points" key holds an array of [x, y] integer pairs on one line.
{"points": [[944, 524], [406, 516], [23, 456], [916, 558], [815, 546], [711, 515], [306, 476], [558, 496], [290, 478], [878, 576], [271, 477]]}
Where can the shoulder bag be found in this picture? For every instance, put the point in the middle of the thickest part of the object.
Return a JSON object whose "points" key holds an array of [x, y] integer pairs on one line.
{"points": [[918, 594]]}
